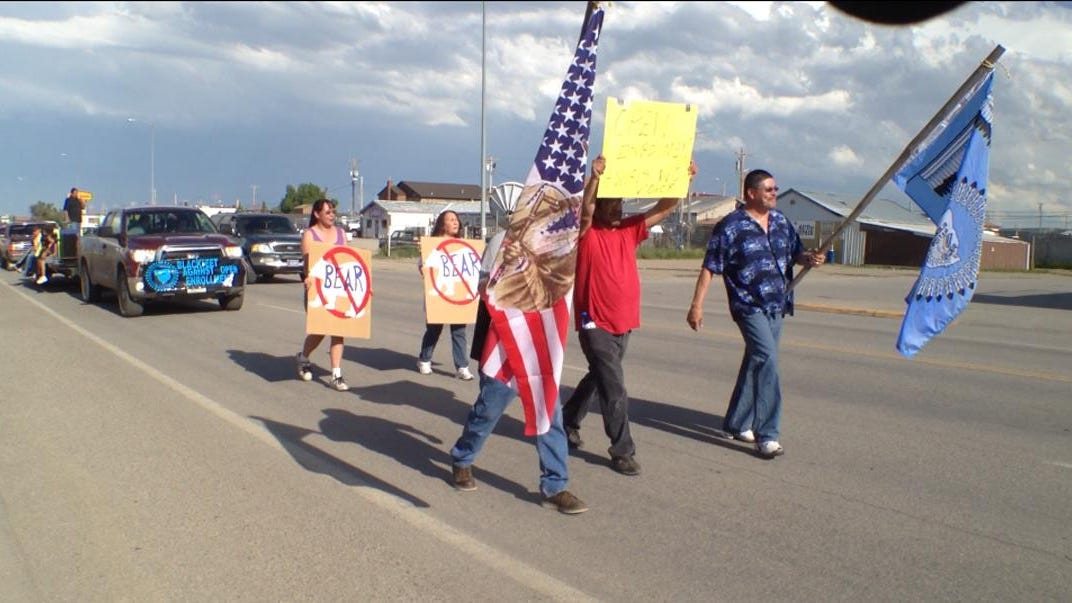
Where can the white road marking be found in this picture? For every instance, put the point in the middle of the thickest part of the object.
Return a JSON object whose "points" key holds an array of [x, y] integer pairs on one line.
{"points": [[521, 572], [1060, 464], [282, 308]]}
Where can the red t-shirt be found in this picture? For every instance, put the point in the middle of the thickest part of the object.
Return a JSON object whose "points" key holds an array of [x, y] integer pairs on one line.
{"points": [[607, 283]]}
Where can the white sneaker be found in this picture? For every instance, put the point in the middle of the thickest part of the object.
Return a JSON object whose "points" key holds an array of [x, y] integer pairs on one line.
{"points": [[770, 449], [424, 368], [42, 280], [464, 374], [744, 436]]}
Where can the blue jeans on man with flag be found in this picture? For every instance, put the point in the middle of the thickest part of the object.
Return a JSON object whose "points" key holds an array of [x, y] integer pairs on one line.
{"points": [[489, 407], [756, 402]]}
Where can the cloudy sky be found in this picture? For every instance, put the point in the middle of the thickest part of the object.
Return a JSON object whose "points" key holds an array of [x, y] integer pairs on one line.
{"points": [[219, 102]]}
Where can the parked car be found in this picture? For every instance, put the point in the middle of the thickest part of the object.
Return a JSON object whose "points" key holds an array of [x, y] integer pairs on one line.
{"points": [[16, 240], [402, 238], [157, 253], [270, 243], [300, 222]]}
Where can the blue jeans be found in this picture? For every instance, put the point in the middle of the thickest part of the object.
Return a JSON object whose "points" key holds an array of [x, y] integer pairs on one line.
{"points": [[457, 344], [756, 402], [489, 407]]}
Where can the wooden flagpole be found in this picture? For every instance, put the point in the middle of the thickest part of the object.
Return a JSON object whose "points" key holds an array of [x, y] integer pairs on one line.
{"points": [[978, 75]]}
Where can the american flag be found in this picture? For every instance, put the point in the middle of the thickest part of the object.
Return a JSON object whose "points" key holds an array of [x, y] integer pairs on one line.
{"points": [[531, 286]]}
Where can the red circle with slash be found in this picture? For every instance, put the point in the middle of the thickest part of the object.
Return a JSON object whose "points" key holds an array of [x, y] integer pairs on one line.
{"points": [[331, 255], [442, 248]]}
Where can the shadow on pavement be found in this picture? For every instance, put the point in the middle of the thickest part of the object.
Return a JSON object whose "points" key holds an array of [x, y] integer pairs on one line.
{"points": [[268, 367], [380, 359], [291, 437], [1055, 301], [401, 443], [685, 422], [420, 451], [281, 368]]}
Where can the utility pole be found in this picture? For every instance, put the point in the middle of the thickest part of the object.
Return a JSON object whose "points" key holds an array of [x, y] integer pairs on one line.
{"points": [[489, 164], [681, 223], [740, 174], [353, 186], [152, 162], [1040, 216], [489, 167], [254, 187], [483, 121]]}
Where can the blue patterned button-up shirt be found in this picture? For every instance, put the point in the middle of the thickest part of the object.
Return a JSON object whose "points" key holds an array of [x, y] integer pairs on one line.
{"points": [[756, 266]]}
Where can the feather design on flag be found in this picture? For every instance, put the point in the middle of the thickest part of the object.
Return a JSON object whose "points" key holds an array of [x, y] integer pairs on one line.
{"points": [[947, 178], [530, 287]]}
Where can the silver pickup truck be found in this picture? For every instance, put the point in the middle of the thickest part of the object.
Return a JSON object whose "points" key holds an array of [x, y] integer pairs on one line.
{"points": [[157, 253]]}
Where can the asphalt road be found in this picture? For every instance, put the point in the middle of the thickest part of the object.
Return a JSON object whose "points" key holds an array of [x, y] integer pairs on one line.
{"points": [[175, 457]]}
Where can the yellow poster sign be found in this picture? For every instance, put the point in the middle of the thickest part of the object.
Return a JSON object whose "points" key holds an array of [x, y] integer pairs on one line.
{"points": [[340, 300], [450, 270], [84, 195], [648, 146]]}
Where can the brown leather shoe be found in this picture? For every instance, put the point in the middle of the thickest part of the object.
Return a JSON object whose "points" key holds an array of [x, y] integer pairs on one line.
{"points": [[626, 465], [463, 478], [565, 502]]}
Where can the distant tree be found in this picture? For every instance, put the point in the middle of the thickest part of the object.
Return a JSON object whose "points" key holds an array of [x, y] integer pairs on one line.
{"points": [[45, 211], [306, 193]]}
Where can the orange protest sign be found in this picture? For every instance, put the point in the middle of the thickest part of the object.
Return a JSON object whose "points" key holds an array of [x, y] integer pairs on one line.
{"points": [[451, 271], [340, 300]]}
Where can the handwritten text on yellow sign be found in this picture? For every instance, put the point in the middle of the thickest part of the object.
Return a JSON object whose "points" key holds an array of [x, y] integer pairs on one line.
{"points": [[648, 146]]}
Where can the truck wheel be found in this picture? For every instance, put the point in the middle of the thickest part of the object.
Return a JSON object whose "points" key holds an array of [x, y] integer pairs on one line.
{"points": [[127, 306], [232, 302], [90, 293]]}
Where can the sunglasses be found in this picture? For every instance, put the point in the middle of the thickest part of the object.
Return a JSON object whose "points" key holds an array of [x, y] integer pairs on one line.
{"points": [[767, 189]]}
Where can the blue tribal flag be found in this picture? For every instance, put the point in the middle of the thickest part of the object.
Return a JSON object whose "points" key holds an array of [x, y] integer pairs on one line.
{"points": [[946, 177]]}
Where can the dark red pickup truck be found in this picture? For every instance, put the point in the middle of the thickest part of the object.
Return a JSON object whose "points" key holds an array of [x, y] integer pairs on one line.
{"points": [[156, 252]]}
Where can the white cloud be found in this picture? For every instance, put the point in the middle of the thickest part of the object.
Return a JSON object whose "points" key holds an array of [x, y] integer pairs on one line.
{"points": [[288, 90], [734, 96], [843, 156]]}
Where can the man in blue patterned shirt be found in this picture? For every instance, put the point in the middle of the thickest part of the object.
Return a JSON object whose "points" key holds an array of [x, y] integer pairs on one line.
{"points": [[754, 248]]}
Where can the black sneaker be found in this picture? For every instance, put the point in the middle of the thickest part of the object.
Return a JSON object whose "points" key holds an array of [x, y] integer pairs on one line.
{"points": [[565, 502], [573, 438], [463, 478], [305, 371], [626, 465]]}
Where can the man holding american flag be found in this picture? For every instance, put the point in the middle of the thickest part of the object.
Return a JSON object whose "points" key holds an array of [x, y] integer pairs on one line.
{"points": [[525, 301]]}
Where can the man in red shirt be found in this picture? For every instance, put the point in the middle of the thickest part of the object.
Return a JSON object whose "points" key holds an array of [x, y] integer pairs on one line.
{"points": [[606, 304]]}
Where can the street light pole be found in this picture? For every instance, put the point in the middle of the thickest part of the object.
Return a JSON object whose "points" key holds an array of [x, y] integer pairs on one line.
{"points": [[353, 187], [152, 158], [489, 166], [483, 120], [152, 162]]}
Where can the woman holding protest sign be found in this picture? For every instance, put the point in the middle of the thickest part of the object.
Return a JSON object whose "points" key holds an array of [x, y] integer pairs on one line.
{"points": [[321, 228], [447, 224]]}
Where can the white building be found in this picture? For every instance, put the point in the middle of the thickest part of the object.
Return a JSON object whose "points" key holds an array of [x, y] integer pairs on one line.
{"points": [[379, 218]]}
